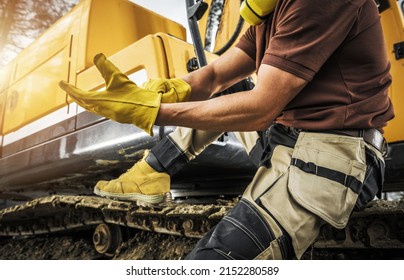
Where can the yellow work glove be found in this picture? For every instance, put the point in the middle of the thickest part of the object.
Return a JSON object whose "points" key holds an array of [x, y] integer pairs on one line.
{"points": [[122, 100], [173, 90]]}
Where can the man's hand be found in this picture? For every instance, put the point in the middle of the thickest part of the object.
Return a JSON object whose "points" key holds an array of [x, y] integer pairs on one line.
{"points": [[125, 102], [172, 90]]}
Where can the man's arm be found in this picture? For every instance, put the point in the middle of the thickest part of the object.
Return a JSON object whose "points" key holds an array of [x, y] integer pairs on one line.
{"points": [[225, 71], [243, 111], [125, 102]]}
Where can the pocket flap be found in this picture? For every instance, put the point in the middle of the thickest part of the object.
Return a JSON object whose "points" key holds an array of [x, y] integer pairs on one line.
{"points": [[326, 175]]}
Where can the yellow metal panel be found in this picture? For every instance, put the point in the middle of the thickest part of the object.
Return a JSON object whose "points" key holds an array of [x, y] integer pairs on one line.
{"points": [[51, 42], [392, 22], [2, 106], [108, 26], [5, 73], [178, 54], [4, 76], [115, 24], [80, 53], [33, 78], [37, 94], [147, 53], [160, 55]]}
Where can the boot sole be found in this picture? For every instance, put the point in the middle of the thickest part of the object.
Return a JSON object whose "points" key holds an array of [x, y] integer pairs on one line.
{"points": [[140, 199]]}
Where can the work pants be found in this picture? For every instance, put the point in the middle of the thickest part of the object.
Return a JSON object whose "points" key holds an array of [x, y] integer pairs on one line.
{"points": [[304, 180]]}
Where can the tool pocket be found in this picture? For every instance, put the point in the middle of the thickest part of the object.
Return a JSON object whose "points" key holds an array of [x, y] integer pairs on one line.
{"points": [[326, 175]]}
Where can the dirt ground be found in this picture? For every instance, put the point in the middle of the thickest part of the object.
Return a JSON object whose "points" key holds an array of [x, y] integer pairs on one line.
{"points": [[79, 246], [144, 246]]}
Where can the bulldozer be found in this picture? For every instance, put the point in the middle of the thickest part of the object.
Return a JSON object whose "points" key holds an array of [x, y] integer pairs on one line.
{"points": [[52, 152]]}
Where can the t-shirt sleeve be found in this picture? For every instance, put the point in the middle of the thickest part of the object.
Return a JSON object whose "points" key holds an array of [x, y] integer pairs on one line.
{"points": [[308, 33], [247, 43]]}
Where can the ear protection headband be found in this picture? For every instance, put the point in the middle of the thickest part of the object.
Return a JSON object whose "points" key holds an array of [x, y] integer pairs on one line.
{"points": [[255, 12]]}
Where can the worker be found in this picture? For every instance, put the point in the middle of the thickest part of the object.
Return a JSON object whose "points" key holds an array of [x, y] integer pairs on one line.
{"points": [[319, 105]]}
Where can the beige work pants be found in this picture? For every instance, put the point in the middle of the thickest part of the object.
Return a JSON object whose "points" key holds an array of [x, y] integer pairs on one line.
{"points": [[310, 179]]}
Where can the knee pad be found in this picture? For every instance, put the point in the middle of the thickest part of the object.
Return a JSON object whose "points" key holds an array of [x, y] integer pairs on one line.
{"points": [[244, 234]]}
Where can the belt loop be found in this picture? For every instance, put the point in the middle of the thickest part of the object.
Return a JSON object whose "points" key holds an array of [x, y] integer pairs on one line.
{"points": [[361, 133]]}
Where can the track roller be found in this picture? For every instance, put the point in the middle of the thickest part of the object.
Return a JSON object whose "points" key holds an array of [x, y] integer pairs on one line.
{"points": [[107, 238]]}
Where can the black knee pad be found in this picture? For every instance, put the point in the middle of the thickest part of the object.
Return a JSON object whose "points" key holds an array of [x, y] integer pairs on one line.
{"points": [[242, 234]]}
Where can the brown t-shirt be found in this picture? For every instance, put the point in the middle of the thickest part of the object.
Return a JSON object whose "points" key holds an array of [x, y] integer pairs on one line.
{"points": [[336, 45]]}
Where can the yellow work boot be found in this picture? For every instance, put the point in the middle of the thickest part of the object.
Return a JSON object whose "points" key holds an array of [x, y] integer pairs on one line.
{"points": [[141, 183]]}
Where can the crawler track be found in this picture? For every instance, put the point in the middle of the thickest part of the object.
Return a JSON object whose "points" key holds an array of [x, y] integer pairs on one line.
{"points": [[62, 213], [379, 228]]}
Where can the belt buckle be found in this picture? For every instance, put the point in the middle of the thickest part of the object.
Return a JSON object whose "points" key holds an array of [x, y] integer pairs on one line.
{"points": [[378, 141]]}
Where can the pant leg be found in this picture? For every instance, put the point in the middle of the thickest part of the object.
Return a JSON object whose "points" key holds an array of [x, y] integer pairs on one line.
{"points": [[248, 231], [179, 147], [175, 150], [185, 144], [317, 180]]}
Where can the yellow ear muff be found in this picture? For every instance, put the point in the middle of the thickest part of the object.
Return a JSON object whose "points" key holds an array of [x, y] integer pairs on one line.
{"points": [[255, 12]]}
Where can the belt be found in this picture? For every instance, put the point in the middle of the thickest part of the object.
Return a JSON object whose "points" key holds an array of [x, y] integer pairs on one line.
{"points": [[371, 136]]}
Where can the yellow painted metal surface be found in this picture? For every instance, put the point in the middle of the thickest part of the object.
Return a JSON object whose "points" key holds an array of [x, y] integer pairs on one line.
{"points": [[4, 73], [4, 76], [228, 25], [37, 94], [148, 54], [178, 53], [66, 50], [160, 55], [393, 28], [50, 43], [33, 81], [115, 24]]}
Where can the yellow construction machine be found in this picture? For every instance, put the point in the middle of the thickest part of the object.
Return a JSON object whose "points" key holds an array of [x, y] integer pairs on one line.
{"points": [[52, 152]]}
